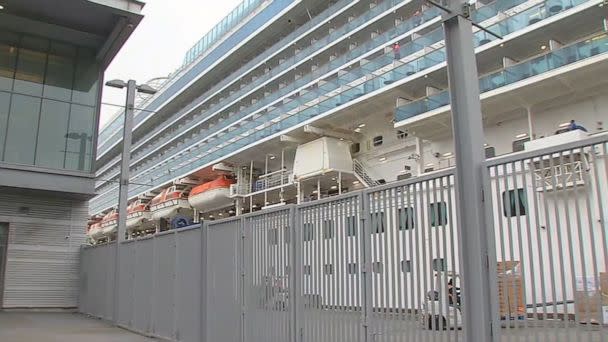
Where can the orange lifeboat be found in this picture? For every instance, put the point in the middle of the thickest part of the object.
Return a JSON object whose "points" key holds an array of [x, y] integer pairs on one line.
{"points": [[94, 228], [169, 203], [109, 223], [212, 195], [138, 216]]}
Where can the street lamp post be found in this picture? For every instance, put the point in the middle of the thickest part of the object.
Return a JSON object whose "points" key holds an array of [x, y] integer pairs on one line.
{"points": [[468, 139], [123, 190]]}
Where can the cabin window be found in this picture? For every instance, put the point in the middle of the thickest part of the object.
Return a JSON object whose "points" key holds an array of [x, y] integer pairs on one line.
{"points": [[406, 266], [351, 226], [308, 232], [404, 176], [273, 237], [352, 268], [286, 235], [307, 270], [519, 145], [490, 152], [378, 222], [406, 218], [401, 134], [438, 214], [514, 203], [328, 269], [328, 229], [439, 265], [377, 267], [429, 169], [377, 141], [355, 148]]}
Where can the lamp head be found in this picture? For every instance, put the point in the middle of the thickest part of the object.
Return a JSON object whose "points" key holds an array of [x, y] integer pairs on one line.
{"points": [[146, 89], [116, 84]]}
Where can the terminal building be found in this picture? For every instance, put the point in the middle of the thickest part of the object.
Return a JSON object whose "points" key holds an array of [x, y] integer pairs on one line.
{"points": [[53, 54]]}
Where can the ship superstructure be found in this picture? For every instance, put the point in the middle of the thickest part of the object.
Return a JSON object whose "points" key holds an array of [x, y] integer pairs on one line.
{"points": [[295, 101]]}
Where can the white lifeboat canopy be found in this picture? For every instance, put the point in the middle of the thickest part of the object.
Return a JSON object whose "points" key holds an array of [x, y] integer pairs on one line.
{"points": [[321, 156]]}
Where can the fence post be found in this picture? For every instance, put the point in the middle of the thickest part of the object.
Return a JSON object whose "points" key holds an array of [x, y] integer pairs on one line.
{"points": [[295, 272], [203, 302], [242, 278], [491, 250], [366, 245]]}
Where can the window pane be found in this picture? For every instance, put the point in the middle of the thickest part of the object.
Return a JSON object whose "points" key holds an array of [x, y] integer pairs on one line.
{"points": [[351, 226], [4, 106], [54, 117], [513, 205], [328, 229], [59, 72], [8, 59], [31, 62], [406, 218], [22, 128], [438, 213], [87, 74], [79, 151]]}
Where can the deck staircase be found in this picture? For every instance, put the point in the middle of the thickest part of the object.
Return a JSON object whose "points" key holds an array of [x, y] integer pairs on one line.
{"points": [[362, 175]]}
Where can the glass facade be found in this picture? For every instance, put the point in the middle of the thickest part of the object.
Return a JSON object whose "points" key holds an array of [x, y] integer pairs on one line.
{"points": [[48, 97]]}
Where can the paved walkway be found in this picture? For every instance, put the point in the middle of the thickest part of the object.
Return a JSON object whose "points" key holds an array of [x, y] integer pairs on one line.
{"points": [[60, 327]]}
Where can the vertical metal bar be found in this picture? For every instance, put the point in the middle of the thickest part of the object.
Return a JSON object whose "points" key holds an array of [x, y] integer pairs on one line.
{"points": [[468, 136], [203, 328], [245, 274], [123, 190], [295, 272], [366, 255]]}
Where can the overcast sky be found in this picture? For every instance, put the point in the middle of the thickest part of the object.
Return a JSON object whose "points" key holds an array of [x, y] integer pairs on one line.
{"points": [[158, 45]]}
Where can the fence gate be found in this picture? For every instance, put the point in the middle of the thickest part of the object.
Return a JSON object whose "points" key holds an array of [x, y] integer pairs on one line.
{"points": [[329, 243]]}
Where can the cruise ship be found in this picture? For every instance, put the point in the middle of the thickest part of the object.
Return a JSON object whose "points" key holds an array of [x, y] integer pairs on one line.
{"points": [[291, 101], [296, 104]]}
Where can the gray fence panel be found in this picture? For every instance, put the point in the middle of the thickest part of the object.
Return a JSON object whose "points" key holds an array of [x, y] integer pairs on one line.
{"points": [[164, 289], [188, 285], [267, 266], [144, 284], [127, 282], [108, 258], [414, 263], [329, 237], [84, 304], [224, 294]]}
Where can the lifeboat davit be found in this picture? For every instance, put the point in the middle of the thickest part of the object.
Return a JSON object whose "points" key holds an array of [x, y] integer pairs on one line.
{"points": [[212, 195], [169, 203], [109, 223], [138, 216]]}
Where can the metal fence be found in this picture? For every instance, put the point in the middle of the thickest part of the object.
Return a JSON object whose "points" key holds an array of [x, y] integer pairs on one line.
{"points": [[381, 264], [160, 284], [548, 209]]}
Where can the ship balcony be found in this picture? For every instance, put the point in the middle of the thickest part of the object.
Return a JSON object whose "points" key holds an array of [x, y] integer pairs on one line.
{"points": [[371, 76], [542, 74]]}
